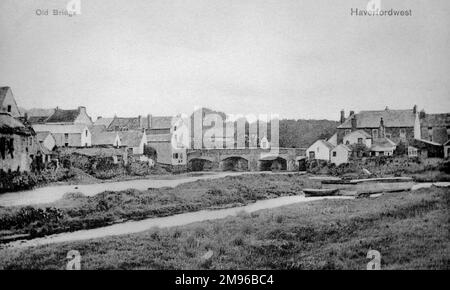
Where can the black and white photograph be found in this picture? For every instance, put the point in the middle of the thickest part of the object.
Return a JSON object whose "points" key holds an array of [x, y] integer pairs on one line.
{"points": [[221, 136]]}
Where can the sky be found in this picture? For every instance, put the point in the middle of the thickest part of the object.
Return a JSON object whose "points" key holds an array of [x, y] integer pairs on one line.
{"points": [[301, 59]]}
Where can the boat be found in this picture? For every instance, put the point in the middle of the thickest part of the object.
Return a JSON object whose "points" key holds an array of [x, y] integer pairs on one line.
{"points": [[320, 191]]}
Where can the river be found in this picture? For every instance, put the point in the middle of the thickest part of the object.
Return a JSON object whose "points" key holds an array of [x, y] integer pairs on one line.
{"points": [[164, 222], [49, 194]]}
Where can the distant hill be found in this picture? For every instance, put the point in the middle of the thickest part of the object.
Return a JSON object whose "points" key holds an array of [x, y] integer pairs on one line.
{"points": [[302, 133]]}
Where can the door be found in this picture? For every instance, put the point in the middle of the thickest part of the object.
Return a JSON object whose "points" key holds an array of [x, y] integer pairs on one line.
{"points": [[312, 155]]}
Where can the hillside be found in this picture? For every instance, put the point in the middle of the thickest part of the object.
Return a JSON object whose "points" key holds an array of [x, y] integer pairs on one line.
{"points": [[302, 133]]}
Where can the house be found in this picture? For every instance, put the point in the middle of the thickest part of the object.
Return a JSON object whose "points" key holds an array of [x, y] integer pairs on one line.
{"points": [[8, 103], [383, 147], [70, 117], [106, 139], [67, 135], [167, 151], [447, 149], [321, 150], [428, 149], [397, 125], [103, 121], [358, 137], [46, 139], [134, 140], [435, 127], [340, 154], [18, 145]]}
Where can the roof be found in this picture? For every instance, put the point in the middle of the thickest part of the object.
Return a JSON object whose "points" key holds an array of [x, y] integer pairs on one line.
{"points": [[97, 129], [159, 137], [324, 142], [129, 123], [10, 125], [436, 120], [371, 119], [427, 142], [103, 121], [362, 132], [343, 146], [104, 138], [37, 119], [157, 122], [161, 122], [3, 91], [447, 143], [131, 138], [42, 135], [63, 116], [94, 151], [382, 144], [60, 129]]}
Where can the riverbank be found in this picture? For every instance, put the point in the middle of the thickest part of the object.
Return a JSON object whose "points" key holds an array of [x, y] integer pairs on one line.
{"points": [[76, 211], [409, 229]]}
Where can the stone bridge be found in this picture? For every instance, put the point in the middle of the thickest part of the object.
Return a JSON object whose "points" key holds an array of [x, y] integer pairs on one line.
{"points": [[246, 159]]}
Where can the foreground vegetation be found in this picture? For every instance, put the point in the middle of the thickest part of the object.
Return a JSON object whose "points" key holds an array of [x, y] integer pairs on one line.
{"points": [[409, 229], [76, 211]]}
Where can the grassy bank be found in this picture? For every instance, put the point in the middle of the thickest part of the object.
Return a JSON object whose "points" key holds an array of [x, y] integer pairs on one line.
{"points": [[409, 229], [76, 212]]}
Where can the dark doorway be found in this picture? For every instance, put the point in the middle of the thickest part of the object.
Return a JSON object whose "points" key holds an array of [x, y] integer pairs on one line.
{"points": [[273, 165]]}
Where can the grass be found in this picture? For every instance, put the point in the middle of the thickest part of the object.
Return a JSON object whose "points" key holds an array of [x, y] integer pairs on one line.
{"points": [[409, 229], [76, 212]]}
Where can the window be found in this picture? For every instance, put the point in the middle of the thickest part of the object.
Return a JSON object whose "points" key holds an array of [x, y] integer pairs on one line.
{"points": [[348, 131], [86, 133], [66, 144], [66, 136], [388, 135], [347, 142], [360, 140], [175, 155], [374, 133], [9, 108], [334, 153]]}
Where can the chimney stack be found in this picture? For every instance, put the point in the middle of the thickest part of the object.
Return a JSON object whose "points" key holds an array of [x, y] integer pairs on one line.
{"points": [[82, 109], [342, 120], [353, 120], [351, 113], [415, 109], [140, 121], [381, 133]]}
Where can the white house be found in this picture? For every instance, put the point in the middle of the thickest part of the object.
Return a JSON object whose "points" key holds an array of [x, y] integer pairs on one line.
{"points": [[67, 135], [135, 140], [358, 137], [320, 150], [340, 154], [8, 102], [383, 147], [46, 139]]}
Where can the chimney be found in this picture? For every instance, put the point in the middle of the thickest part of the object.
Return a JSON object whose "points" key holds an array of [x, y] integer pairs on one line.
{"points": [[140, 121], [415, 109], [387, 108], [351, 113], [149, 121], [353, 120], [82, 109], [381, 133], [342, 120]]}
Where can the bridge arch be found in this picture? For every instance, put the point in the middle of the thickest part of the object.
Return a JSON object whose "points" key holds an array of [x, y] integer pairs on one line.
{"points": [[199, 164], [234, 163], [272, 163]]}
